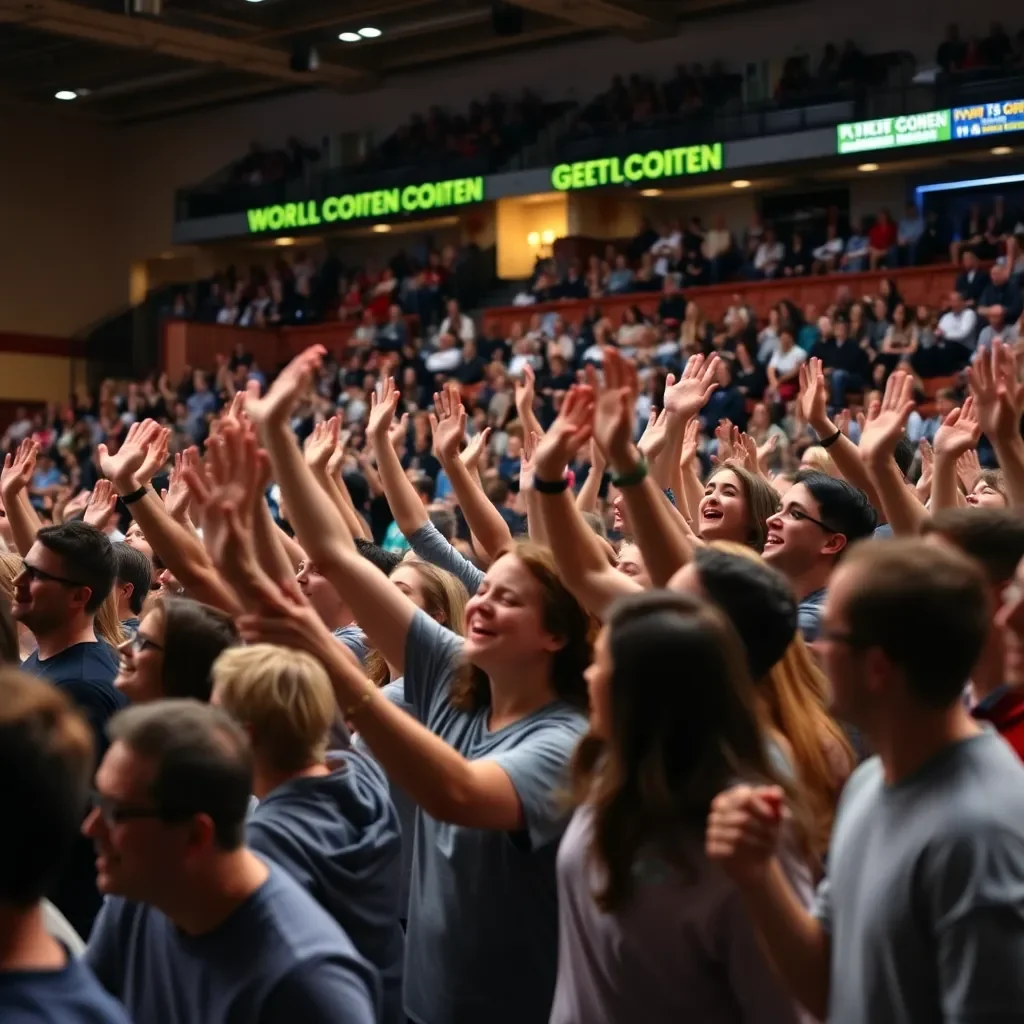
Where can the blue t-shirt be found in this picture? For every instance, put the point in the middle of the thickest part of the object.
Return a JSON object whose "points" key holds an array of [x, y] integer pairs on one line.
{"points": [[278, 959], [338, 836], [809, 615], [86, 673], [68, 996], [483, 910]]}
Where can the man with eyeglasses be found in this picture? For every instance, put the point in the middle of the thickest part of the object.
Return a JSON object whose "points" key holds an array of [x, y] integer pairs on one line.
{"points": [[68, 573], [197, 927], [820, 518], [921, 917]]}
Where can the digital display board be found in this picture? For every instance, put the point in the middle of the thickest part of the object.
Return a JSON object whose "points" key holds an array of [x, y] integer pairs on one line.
{"points": [[383, 202], [651, 166], [893, 132], [988, 119]]}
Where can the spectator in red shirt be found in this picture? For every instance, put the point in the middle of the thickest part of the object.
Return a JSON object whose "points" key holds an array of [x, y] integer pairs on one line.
{"points": [[882, 240]]}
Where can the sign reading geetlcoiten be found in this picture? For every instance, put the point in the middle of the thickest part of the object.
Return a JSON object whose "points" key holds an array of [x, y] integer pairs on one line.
{"points": [[651, 166], [383, 202]]}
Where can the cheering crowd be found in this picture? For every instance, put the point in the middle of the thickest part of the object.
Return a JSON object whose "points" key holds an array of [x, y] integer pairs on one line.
{"points": [[752, 755]]}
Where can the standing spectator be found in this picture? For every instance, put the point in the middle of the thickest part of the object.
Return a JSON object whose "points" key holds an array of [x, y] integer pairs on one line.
{"points": [[195, 925], [921, 916], [720, 251], [46, 760], [68, 573]]}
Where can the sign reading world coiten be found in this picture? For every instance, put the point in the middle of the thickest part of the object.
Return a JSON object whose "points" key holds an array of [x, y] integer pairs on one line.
{"points": [[384, 202]]}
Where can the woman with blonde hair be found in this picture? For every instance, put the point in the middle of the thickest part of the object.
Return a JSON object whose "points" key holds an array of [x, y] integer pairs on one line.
{"points": [[10, 569], [794, 696], [108, 622]]}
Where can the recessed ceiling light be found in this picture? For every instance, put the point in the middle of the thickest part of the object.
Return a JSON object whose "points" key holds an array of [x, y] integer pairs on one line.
{"points": [[66, 94], [350, 37], [255, 1], [740, 183], [650, 192], [284, 241], [370, 32], [382, 229], [1001, 150], [868, 168]]}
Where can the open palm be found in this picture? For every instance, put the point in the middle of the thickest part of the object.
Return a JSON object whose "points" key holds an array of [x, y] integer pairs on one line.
{"points": [[959, 432], [613, 413], [687, 396], [291, 383], [999, 397], [886, 419], [382, 411], [448, 423], [813, 399], [567, 435], [123, 468]]}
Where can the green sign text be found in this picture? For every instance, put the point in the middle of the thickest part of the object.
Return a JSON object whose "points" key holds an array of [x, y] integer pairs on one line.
{"points": [[358, 205], [891, 132], [658, 163]]}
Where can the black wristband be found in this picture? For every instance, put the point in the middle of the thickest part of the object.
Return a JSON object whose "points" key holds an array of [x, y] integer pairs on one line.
{"points": [[130, 499], [635, 476], [550, 486], [827, 442]]}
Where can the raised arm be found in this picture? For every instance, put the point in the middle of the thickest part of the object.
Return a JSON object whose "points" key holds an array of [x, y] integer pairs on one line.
{"points": [[843, 451], [142, 452], [448, 423], [586, 499], [328, 452], [526, 395], [14, 481], [1000, 399], [658, 529], [882, 431], [381, 609], [582, 563], [958, 435]]}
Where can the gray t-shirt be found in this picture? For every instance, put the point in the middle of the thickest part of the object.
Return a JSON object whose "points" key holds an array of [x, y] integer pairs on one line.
{"points": [[683, 950], [924, 900], [404, 805], [428, 544], [808, 615], [354, 639], [278, 959], [338, 836], [483, 911]]}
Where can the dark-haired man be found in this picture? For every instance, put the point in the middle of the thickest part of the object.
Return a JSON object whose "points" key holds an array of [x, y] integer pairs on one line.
{"points": [[68, 573], [133, 578], [46, 762], [196, 926], [922, 914], [819, 519]]}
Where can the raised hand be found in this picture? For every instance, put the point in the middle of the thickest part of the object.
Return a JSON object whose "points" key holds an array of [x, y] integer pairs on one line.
{"points": [[75, 504], [337, 460], [567, 435], [727, 435], [176, 496], [887, 419], [968, 469], [123, 469], [998, 394], [813, 399], [286, 391], [743, 831], [959, 432], [613, 413], [655, 436], [475, 450], [691, 443], [383, 403], [525, 390], [17, 470], [102, 506], [156, 456], [765, 451], [448, 423], [530, 444], [687, 396], [319, 445]]}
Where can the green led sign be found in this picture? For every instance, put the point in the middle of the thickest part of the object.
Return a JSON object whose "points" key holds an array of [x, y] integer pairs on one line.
{"points": [[893, 132], [637, 167], [384, 202]]}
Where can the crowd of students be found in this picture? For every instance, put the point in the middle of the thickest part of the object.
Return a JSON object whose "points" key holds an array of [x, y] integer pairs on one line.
{"points": [[753, 754]]}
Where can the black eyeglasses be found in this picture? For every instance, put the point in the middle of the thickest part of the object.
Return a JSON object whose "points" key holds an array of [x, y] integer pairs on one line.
{"points": [[36, 575], [799, 515], [114, 812]]}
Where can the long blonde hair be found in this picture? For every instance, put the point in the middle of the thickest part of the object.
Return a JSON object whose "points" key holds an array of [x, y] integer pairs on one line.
{"points": [[108, 625], [795, 694], [11, 565], [446, 599]]}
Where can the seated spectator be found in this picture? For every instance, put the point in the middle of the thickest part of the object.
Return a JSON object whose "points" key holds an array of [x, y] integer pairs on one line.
{"points": [[858, 247], [720, 251], [997, 329], [672, 307], [829, 255], [620, 280], [882, 241], [908, 236], [667, 249], [769, 257], [972, 230], [393, 335], [952, 50], [957, 330], [573, 286], [972, 280], [845, 363], [783, 368], [1002, 291], [446, 357], [798, 259], [457, 324]]}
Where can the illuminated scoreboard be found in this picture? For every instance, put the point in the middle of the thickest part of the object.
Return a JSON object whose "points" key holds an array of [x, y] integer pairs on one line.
{"points": [[988, 119]]}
